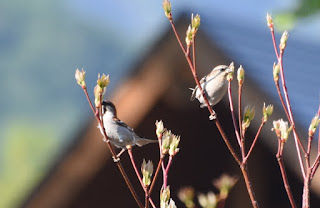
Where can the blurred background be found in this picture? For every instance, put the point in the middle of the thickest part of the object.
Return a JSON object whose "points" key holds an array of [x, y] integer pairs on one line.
{"points": [[43, 42]]}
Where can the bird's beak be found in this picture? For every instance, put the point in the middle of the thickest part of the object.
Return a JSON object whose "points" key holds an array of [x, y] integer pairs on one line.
{"points": [[229, 70]]}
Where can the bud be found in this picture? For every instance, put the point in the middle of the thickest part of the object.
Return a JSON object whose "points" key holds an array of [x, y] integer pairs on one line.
{"points": [[147, 170], [240, 75], [276, 71], [171, 204], [164, 197], [269, 21], [98, 91], [189, 35], [285, 130], [209, 200], [282, 129], [173, 150], [167, 9], [267, 111], [186, 195], [195, 23], [283, 41], [160, 128], [166, 140], [314, 125], [80, 77], [276, 128], [230, 75], [247, 117], [225, 184], [103, 81]]}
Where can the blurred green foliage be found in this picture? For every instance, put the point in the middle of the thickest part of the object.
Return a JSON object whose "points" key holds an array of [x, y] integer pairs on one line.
{"points": [[286, 20], [24, 159]]}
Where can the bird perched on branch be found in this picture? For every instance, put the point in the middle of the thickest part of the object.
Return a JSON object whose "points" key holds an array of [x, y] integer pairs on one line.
{"points": [[119, 133], [214, 85]]}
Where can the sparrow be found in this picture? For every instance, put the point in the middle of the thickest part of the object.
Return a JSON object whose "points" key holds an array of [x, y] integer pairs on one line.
{"points": [[119, 133], [214, 85]]}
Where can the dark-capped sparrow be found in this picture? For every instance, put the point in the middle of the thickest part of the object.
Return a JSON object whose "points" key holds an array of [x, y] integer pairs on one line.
{"points": [[119, 133], [214, 84]]}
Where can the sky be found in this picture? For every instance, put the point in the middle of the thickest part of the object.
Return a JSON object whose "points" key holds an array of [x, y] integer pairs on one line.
{"points": [[146, 15]]}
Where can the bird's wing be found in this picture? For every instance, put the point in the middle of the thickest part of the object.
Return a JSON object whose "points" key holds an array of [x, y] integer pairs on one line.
{"points": [[121, 123], [193, 95]]}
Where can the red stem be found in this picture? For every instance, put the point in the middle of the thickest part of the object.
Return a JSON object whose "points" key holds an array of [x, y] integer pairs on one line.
{"points": [[284, 174], [306, 191], [155, 175], [194, 53], [177, 36], [289, 114], [274, 42], [135, 167], [239, 110], [296, 138], [254, 142], [249, 186], [233, 116], [315, 165]]}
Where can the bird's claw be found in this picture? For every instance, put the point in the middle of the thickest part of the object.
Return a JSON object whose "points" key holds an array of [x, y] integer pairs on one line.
{"points": [[116, 159], [213, 116]]}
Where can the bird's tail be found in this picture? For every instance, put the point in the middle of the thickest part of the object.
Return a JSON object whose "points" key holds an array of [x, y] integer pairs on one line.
{"points": [[142, 141]]}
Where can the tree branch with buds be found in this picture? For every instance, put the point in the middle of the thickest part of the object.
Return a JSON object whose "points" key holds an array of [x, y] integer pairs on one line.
{"points": [[282, 130], [99, 91]]}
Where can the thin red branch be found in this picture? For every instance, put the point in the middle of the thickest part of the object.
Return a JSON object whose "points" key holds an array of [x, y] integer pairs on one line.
{"points": [[233, 116], [306, 191], [239, 110], [135, 167], [315, 165], [298, 143], [274, 42], [194, 53], [145, 189], [254, 142], [296, 138], [284, 174], [155, 175], [249, 186], [177, 36]]}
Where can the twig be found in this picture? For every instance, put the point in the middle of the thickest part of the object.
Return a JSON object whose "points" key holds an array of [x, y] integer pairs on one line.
{"points": [[284, 174], [155, 175], [239, 111], [233, 115], [288, 106], [249, 186], [254, 142]]}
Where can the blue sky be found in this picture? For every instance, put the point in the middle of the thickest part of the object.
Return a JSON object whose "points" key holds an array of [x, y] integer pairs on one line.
{"points": [[148, 16]]}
